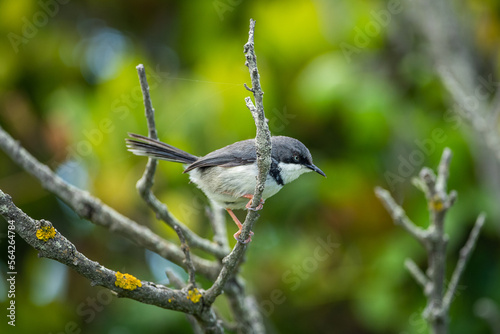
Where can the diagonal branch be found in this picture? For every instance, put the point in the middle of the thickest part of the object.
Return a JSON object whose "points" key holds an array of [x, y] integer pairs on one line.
{"points": [[399, 216], [62, 250], [91, 208], [417, 274], [465, 254], [188, 261]]}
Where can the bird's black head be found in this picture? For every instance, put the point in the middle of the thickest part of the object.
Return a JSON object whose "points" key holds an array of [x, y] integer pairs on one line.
{"points": [[293, 158]]}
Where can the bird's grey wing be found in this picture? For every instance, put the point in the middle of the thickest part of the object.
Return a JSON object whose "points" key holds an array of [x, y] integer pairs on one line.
{"points": [[237, 154]]}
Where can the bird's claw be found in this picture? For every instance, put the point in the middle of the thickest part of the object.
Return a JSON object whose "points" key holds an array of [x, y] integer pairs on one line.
{"points": [[249, 204], [237, 237]]}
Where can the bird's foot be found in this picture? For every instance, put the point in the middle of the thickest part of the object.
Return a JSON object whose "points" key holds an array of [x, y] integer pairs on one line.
{"points": [[240, 226], [249, 204], [237, 237]]}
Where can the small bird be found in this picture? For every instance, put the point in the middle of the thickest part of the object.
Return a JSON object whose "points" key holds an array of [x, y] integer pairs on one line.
{"points": [[228, 175]]}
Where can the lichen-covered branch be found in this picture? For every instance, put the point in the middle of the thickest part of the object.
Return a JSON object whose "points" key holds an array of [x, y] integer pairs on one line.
{"points": [[55, 246], [91, 208], [435, 241]]}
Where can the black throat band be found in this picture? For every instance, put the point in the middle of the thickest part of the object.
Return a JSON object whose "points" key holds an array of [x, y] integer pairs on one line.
{"points": [[275, 172]]}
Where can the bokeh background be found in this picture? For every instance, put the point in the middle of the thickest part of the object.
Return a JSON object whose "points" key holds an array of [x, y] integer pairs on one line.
{"points": [[371, 110]]}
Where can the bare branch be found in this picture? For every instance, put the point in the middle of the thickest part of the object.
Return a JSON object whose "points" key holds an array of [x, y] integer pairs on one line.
{"points": [[417, 274], [465, 254], [443, 172], [91, 208], [146, 181], [399, 216], [148, 105], [188, 261]]}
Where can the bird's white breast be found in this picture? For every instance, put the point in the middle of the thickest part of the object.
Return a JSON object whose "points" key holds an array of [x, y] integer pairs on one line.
{"points": [[226, 185]]}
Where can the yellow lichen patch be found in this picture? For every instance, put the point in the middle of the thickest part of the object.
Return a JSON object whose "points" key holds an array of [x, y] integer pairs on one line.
{"points": [[127, 281], [194, 295], [45, 233], [436, 204]]}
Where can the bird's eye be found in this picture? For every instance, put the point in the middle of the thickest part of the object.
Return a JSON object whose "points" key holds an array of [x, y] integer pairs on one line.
{"points": [[296, 158]]}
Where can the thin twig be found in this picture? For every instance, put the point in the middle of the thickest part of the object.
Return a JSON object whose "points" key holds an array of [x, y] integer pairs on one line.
{"points": [[399, 216], [428, 179], [188, 261], [465, 254], [146, 181], [443, 171], [417, 274], [148, 105]]}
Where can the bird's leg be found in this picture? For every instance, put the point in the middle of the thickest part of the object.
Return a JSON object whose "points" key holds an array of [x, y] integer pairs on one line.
{"points": [[240, 226], [249, 204]]}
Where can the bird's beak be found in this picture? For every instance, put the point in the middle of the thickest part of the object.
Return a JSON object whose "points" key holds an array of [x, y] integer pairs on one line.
{"points": [[316, 169]]}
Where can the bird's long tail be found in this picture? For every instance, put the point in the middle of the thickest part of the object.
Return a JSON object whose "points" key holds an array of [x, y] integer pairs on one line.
{"points": [[145, 146]]}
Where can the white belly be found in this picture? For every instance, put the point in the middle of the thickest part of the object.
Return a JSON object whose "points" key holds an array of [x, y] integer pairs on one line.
{"points": [[226, 186]]}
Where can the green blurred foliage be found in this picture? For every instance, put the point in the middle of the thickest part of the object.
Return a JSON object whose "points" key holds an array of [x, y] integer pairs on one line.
{"points": [[69, 92]]}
